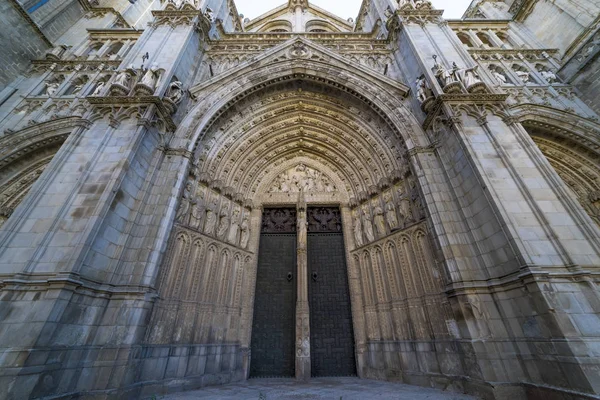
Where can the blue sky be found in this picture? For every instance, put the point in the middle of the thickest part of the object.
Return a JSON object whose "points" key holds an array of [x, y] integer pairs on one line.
{"points": [[343, 8]]}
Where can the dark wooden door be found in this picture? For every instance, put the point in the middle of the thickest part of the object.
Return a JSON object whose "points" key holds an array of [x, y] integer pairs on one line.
{"points": [[332, 339], [273, 326]]}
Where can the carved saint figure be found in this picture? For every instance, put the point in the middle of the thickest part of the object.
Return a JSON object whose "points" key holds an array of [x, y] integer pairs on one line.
{"points": [[223, 224], [98, 88], [234, 228], [368, 225], [150, 77], [123, 78], [211, 218], [358, 231], [468, 76], [302, 226], [245, 236], [379, 220], [198, 212], [405, 212], [499, 77], [184, 207], [523, 76], [390, 212], [175, 92], [51, 88], [423, 91], [549, 76], [442, 74]]}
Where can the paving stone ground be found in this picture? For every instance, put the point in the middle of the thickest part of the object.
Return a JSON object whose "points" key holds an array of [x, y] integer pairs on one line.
{"points": [[319, 388]]}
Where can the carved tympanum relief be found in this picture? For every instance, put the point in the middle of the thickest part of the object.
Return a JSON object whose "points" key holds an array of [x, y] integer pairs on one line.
{"points": [[302, 179]]}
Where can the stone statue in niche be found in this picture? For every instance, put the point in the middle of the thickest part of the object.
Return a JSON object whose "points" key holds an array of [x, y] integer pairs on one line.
{"points": [[379, 220], [184, 207], [51, 88], [549, 76], [390, 212], [98, 88], [423, 91], [368, 225], [523, 76], [358, 230], [151, 77], [302, 228], [405, 211], [198, 212], [211, 218], [444, 76], [234, 228], [223, 223], [499, 77], [468, 76], [302, 178], [123, 79], [245, 235], [175, 92]]}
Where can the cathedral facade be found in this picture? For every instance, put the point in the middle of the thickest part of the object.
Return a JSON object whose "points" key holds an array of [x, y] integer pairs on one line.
{"points": [[189, 197]]}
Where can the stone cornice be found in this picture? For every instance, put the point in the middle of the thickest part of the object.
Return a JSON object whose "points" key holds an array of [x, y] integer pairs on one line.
{"points": [[283, 36], [527, 53], [76, 64], [486, 23], [121, 102], [26, 16], [117, 33], [99, 11], [460, 99]]}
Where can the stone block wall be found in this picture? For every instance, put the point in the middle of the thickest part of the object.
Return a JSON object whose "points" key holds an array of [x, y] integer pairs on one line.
{"points": [[22, 42]]}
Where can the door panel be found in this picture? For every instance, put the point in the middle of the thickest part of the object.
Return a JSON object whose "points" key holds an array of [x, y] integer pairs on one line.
{"points": [[332, 339], [273, 325]]}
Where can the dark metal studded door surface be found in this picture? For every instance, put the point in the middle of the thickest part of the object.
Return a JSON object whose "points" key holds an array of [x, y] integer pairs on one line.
{"points": [[332, 339], [273, 326]]}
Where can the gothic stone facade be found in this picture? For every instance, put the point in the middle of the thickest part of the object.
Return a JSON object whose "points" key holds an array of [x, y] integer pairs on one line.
{"points": [[140, 142]]}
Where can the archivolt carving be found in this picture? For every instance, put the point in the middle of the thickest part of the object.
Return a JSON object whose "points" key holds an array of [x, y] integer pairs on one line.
{"points": [[261, 132], [578, 167]]}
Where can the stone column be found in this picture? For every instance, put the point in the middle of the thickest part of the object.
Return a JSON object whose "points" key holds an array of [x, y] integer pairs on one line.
{"points": [[302, 310]]}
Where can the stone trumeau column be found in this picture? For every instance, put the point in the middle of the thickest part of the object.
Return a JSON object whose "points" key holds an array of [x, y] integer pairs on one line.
{"points": [[302, 307], [79, 257], [520, 253]]}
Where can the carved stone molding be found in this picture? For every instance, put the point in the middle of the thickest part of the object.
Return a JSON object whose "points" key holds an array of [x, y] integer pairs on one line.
{"points": [[120, 108]]}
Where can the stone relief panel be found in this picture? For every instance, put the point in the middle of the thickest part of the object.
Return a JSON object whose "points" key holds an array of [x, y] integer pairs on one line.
{"points": [[302, 179], [207, 210], [401, 288], [201, 295], [389, 210]]}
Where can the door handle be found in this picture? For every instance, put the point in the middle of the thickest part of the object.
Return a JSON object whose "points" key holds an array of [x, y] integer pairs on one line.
{"points": [[290, 276], [315, 276]]}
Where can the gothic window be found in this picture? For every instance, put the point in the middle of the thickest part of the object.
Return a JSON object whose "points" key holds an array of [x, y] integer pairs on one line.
{"points": [[277, 27], [320, 26], [465, 39], [94, 48], [114, 49], [485, 39]]}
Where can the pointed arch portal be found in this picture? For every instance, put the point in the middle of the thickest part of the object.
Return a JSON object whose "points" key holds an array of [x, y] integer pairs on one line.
{"points": [[307, 175]]}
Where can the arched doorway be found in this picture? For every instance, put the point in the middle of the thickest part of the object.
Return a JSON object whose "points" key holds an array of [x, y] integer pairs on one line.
{"points": [[306, 138]]}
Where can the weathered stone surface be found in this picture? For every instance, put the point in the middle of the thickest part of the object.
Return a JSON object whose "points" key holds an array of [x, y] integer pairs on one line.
{"points": [[135, 167]]}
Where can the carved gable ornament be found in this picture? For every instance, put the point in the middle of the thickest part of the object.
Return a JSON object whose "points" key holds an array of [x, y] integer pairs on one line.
{"points": [[302, 179]]}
